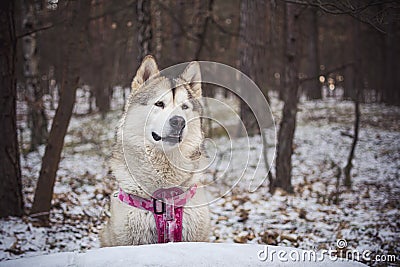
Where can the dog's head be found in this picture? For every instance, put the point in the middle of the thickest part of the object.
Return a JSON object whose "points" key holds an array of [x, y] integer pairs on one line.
{"points": [[165, 111]]}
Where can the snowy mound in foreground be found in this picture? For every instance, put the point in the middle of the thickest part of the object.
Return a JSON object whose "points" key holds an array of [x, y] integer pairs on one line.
{"points": [[182, 254]]}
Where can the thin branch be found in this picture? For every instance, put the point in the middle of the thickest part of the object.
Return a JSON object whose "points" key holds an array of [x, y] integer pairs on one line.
{"points": [[222, 29], [53, 25], [40, 29], [342, 8]]}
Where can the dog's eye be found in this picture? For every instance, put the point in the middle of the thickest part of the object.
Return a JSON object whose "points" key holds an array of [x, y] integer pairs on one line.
{"points": [[184, 106], [160, 104]]}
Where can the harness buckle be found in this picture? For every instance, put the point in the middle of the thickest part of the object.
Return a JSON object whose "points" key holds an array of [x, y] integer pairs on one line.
{"points": [[156, 211]]}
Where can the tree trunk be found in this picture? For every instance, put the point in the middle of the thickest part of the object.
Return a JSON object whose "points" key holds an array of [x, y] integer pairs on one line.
{"points": [[11, 202], [349, 72], [145, 34], [102, 95], [203, 23], [252, 38], [312, 87], [99, 34], [158, 30], [391, 94], [358, 86], [37, 115], [176, 46], [75, 31], [291, 85], [349, 165]]}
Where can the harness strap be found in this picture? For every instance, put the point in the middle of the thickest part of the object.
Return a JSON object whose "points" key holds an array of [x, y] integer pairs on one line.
{"points": [[167, 208]]}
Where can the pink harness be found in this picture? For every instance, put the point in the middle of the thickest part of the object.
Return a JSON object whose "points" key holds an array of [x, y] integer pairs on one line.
{"points": [[167, 208]]}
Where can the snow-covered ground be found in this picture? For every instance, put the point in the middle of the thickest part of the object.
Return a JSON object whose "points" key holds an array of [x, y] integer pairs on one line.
{"points": [[366, 217], [186, 254]]}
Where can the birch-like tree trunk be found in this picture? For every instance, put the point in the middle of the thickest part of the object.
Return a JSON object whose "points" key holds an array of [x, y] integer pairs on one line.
{"points": [[37, 116]]}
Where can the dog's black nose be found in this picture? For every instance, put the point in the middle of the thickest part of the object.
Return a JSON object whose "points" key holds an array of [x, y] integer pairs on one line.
{"points": [[177, 123]]}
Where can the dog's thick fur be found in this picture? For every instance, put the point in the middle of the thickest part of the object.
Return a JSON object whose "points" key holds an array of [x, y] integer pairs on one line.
{"points": [[141, 165]]}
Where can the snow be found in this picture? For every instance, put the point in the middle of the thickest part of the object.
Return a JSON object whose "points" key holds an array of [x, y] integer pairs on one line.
{"points": [[179, 254], [366, 215]]}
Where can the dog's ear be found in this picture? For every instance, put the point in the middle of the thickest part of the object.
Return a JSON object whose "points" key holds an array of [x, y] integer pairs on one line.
{"points": [[147, 69], [192, 75]]}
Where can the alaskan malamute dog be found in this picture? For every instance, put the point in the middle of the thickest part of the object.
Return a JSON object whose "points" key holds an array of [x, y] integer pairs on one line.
{"points": [[158, 146]]}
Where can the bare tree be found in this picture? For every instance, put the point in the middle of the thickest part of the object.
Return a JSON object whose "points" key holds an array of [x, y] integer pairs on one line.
{"points": [[252, 49], [290, 95], [349, 165], [350, 70], [78, 13], [177, 31], [358, 89], [99, 35], [391, 67], [145, 33], [312, 87], [158, 36], [11, 202], [37, 116], [277, 66], [203, 18]]}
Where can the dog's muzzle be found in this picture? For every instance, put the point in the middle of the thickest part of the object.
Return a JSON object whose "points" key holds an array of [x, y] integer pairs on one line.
{"points": [[177, 124]]}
